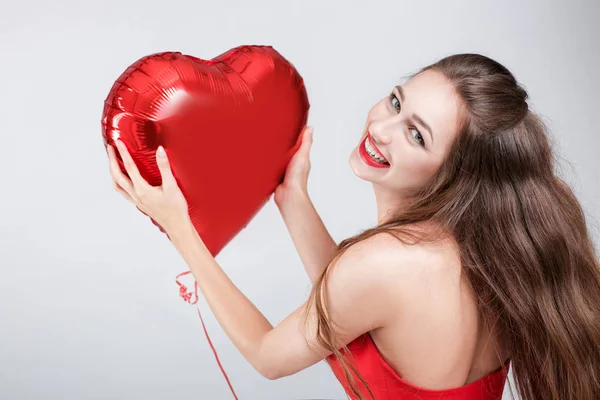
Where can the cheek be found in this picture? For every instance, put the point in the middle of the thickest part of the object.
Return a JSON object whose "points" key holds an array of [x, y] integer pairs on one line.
{"points": [[414, 170]]}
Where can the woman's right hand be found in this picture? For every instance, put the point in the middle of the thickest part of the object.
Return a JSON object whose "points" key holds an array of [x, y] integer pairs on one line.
{"points": [[296, 174]]}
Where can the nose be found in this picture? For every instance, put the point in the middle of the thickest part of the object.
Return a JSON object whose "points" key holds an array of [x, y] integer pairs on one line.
{"points": [[381, 131]]}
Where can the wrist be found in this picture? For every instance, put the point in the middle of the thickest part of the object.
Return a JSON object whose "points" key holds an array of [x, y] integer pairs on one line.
{"points": [[292, 197], [181, 231]]}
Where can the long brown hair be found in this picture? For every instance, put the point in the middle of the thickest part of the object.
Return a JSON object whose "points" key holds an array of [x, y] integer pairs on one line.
{"points": [[525, 247]]}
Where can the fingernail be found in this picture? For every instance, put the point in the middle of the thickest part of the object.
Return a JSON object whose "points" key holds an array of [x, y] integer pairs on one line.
{"points": [[161, 151]]}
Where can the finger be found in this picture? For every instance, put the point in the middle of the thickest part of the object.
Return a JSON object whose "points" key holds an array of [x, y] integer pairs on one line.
{"points": [[166, 174], [307, 139], [132, 170], [123, 193], [117, 175]]}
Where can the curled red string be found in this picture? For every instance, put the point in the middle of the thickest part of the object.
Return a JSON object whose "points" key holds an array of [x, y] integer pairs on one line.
{"points": [[192, 298]]}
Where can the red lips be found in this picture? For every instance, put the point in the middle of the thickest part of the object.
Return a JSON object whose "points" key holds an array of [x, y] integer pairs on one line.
{"points": [[367, 158]]}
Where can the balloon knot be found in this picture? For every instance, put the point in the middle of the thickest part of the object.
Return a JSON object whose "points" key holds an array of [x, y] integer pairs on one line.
{"points": [[184, 293]]}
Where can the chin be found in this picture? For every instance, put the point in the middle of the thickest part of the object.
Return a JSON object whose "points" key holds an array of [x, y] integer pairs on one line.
{"points": [[360, 169]]}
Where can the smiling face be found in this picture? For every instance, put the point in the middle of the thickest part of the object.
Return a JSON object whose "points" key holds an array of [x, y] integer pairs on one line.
{"points": [[407, 134]]}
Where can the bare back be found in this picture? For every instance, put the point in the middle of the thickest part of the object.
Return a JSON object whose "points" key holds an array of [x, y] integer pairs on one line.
{"points": [[441, 342]]}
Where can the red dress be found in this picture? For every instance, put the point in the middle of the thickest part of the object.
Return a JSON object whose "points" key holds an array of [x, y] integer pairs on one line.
{"points": [[386, 384]]}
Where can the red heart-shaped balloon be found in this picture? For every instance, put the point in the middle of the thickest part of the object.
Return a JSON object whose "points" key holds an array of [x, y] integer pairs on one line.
{"points": [[229, 125]]}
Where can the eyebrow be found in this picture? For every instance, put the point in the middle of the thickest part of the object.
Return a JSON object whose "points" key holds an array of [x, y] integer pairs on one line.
{"points": [[415, 116]]}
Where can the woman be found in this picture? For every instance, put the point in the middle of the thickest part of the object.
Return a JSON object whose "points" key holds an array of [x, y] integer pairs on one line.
{"points": [[481, 254]]}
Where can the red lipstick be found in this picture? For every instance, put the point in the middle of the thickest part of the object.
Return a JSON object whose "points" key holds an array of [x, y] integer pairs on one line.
{"points": [[367, 158]]}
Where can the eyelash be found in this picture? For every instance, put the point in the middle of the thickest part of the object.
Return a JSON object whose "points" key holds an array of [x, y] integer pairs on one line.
{"points": [[392, 98]]}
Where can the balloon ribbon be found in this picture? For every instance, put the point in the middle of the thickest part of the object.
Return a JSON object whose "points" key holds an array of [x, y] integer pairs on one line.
{"points": [[192, 298]]}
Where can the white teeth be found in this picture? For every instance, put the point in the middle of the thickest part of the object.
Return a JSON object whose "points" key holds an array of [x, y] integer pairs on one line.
{"points": [[373, 153]]}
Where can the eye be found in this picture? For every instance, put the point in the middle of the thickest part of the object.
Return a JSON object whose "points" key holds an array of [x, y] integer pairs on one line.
{"points": [[395, 102], [417, 136]]}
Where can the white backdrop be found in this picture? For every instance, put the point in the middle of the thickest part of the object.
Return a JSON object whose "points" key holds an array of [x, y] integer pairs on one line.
{"points": [[88, 304]]}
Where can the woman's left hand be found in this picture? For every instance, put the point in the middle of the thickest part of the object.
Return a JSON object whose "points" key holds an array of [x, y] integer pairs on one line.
{"points": [[165, 204]]}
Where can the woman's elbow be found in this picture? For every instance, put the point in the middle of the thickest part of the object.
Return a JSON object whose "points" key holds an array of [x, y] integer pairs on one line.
{"points": [[275, 369], [271, 373]]}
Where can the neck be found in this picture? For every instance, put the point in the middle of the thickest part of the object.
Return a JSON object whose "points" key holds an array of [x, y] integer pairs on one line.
{"points": [[387, 202]]}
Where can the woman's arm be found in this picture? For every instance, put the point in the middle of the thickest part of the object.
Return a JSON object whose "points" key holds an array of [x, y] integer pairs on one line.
{"points": [[358, 301], [314, 244], [312, 241]]}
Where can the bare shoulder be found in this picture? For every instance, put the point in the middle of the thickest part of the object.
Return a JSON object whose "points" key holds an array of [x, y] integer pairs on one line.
{"points": [[430, 333], [377, 258], [395, 262]]}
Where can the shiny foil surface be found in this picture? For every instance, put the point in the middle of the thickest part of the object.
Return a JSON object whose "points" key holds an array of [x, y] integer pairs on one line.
{"points": [[229, 126]]}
